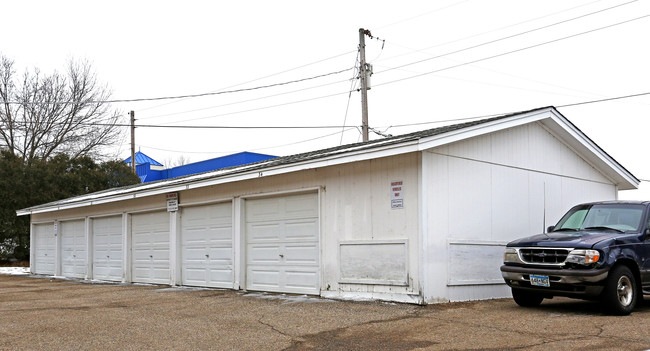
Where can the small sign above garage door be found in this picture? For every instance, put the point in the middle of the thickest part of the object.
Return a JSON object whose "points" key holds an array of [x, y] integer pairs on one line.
{"points": [[282, 244]]}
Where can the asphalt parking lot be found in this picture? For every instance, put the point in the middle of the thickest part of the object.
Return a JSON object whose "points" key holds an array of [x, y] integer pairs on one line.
{"points": [[41, 313]]}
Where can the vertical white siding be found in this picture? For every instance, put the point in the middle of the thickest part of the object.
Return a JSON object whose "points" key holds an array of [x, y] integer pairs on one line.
{"points": [[486, 191]]}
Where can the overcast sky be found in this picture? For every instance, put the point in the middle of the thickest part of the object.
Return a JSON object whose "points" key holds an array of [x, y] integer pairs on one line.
{"points": [[433, 61]]}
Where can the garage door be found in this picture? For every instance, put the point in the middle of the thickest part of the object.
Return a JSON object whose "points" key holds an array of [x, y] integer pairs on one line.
{"points": [[150, 245], [282, 244], [107, 248], [206, 240], [73, 249], [44, 247]]}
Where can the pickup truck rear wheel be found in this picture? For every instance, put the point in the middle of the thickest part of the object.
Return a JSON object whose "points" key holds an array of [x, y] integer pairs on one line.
{"points": [[526, 298], [620, 293]]}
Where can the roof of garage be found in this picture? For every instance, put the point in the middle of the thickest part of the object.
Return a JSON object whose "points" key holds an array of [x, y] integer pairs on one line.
{"points": [[411, 142]]}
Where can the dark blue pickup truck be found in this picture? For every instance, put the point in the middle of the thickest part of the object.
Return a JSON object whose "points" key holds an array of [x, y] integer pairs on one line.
{"points": [[598, 250]]}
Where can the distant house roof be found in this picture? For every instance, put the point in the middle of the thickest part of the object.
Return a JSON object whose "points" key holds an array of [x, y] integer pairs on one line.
{"points": [[549, 117], [141, 158]]}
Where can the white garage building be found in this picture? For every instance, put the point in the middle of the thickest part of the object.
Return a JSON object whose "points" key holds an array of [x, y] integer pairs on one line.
{"points": [[419, 218]]}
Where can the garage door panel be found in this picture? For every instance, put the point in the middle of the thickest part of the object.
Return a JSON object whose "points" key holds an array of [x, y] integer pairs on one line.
{"points": [[262, 254], [73, 249], [282, 244], [263, 279], [150, 248], [297, 279], [301, 206], [301, 254], [107, 248], [263, 231], [301, 230], [44, 248], [206, 240]]}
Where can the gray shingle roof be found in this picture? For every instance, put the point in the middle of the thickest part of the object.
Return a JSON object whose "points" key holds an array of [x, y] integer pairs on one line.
{"points": [[278, 161]]}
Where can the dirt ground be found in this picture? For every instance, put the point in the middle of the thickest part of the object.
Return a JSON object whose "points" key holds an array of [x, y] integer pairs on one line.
{"points": [[41, 313]]}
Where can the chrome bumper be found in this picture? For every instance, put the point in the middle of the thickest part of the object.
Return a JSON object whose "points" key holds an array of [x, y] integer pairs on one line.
{"points": [[573, 276]]}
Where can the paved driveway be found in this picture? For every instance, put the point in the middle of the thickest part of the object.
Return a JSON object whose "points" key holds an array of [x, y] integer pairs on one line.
{"points": [[39, 313]]}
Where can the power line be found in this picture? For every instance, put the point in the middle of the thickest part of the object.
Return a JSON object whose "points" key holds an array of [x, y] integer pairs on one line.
{"points": [[248, 100], [604, 100], [507, 37], [501, 114], [213, 127], [201, 94], [501, 54], [487, 32], [421, 15], [264, 77]]}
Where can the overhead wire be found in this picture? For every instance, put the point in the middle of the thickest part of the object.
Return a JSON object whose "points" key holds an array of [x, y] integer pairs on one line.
{"points": [[352, 85], [423, 50], [504, 53], [200, 94], [264, 77], [450, 53], [434, 71], [506, 37]]}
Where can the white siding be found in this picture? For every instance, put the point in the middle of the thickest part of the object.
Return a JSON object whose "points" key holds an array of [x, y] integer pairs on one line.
{"points": [[488, 190]]}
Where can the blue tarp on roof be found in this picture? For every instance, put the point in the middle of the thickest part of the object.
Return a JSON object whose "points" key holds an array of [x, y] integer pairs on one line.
{"points": [[141, 158], [146, 174]]}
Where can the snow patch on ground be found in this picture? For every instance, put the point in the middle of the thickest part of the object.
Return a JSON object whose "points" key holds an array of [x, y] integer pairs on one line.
{"points": [[14, 270], [288, 299]]}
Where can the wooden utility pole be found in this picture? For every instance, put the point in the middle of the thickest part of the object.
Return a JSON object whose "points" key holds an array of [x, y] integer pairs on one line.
{"points": [[364, 82], [133, 141]]}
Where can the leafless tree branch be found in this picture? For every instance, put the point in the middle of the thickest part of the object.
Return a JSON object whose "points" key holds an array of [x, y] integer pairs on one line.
{"points": [[45, 115]]}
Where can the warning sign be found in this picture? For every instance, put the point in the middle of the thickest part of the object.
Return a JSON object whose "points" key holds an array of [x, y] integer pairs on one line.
{"points": [[172, 202], [397, 194]]}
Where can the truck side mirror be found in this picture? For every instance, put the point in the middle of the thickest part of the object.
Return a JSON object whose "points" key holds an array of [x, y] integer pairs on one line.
{"points": [[646, 234], [550, 229]]}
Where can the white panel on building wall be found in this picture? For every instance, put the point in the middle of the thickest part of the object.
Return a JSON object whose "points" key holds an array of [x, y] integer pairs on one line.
{"points": [[282, 244], [544, 203], [150, 248], [470, 204], [475, 263], [510, 194], [44, 248], [374, 262], [207, 240], [510, 146], [576, 191], [544, 150], [73, 248], [107, 248]]}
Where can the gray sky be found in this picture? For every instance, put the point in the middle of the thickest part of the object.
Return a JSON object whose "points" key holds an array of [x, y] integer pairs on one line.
{"points": [[433, 61]]}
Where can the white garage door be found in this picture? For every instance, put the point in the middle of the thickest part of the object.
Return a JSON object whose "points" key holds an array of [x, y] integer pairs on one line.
{"points": [[73, 248], [282, 244], [44, 247], [107, 248], [206, 239], [150, 246]]}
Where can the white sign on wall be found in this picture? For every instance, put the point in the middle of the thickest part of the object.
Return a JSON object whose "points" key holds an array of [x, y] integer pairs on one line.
{"points": [[397, 194], [172, 202]]}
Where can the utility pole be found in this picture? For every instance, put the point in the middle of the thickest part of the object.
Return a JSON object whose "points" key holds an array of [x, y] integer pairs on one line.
{"points": [[133, 141], [364, 82]]}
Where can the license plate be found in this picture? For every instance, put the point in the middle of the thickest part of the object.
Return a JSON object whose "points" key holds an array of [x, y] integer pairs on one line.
{"points": [[540, 280]]}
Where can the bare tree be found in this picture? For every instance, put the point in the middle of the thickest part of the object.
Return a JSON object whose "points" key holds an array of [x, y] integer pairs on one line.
{"points": [[179, 161], [45, 115]]}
